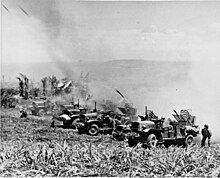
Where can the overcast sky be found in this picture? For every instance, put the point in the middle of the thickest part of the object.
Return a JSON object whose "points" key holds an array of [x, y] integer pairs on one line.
{"points": [[70, 30]]}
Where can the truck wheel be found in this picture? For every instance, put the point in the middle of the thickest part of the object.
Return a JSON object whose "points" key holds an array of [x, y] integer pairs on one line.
{"points": [[80, 130], [189, 140], [41, 112], [152, 140], [74, 123], [132, 142], [93, 130], [33, 112], [52, 124]]}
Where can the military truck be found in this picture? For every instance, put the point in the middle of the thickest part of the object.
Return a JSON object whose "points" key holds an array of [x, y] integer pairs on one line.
{"points": [[70, 114], [9, 97], [95, 122], [123, 130], [151, 131], [41, 107], [10, 102], [98, 122]]}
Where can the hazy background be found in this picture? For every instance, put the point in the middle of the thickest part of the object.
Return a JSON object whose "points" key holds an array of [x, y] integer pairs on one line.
{"points": [[162, 54]]}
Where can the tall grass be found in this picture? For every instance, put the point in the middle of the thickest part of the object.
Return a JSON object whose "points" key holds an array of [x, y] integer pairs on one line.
{"points": [[80, 158], [31, 148]]}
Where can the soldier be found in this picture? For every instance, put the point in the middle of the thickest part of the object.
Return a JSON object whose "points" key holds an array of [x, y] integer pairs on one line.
{"points": [[23, 113], [205, 134]]}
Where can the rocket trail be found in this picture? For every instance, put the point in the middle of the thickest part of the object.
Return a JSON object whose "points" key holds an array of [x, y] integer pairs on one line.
{"points": [[24, 11], [5, 8]]}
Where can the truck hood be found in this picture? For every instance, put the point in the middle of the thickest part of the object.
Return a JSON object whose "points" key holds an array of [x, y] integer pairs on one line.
{"points": [[91, 114], [143, 123]]}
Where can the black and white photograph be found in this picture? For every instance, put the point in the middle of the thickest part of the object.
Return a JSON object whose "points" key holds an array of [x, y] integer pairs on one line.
{"points": [[110, 88]]}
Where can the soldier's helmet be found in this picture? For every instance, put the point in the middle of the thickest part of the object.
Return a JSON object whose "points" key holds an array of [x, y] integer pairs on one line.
{"points": [[206, 126]]}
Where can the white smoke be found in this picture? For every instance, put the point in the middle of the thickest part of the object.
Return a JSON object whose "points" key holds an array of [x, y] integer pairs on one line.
{"points": [[206, 96], [23, 38]]}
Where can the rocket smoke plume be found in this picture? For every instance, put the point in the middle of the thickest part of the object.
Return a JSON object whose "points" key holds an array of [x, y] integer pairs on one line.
{"points": [[31, 32]]}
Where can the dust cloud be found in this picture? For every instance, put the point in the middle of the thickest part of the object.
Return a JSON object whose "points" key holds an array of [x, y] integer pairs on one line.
{"points": [[206, 96], [199, 93]]}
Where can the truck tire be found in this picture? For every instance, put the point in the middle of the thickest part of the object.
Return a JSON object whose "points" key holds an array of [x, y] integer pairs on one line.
{"points": [[189, 140], [33, 112], [152, 140], [93, 130], [52, 124], [80, 130], [41, 112], [132, 142]]}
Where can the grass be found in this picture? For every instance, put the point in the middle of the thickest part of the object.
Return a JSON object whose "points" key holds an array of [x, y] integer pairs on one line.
{"points": [[31, 148]]}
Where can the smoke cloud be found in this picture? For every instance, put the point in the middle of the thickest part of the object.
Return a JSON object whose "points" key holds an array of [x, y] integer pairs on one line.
{"points": [[23, 38], [206, 96]]}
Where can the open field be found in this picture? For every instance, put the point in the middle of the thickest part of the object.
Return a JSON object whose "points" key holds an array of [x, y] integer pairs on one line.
{"points": [[31, 148]]}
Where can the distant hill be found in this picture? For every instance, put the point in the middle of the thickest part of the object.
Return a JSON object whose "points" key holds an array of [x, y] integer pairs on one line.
{"points": [[142, 73], [135, 73]]}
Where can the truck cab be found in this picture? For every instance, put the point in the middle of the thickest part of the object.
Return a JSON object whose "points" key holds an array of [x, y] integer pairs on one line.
{"points": [[151, 131]]}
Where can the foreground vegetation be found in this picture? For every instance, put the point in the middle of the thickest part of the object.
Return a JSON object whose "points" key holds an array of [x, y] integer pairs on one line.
{"points": [[30, 148]]}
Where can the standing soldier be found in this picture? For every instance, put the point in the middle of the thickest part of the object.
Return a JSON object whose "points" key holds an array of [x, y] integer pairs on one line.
{"points": [[206, 134], [23, 112]]}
